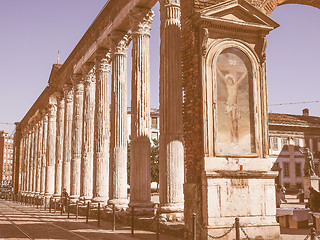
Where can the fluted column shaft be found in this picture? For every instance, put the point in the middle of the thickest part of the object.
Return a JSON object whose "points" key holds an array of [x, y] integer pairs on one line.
{"points": [[171, 122], [39, 155], [76, 137], [118, 151], [59, 148], [51, 150], [140, 170], [35, 157], [101, 129], [31, 159], [24, 163], [44, 153], [28, 161], [88, 132], [67, 143]]}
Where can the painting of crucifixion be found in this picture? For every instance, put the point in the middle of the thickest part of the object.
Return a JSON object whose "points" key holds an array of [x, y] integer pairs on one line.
{"points": [[235, 104]]}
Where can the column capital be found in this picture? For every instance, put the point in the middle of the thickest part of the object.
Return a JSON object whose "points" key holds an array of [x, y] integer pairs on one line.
{"points": [[68, 92], [52, 109], [141, 21], [76, 78], [89, 74], [119, 42], [103, 60], [169, 2]]}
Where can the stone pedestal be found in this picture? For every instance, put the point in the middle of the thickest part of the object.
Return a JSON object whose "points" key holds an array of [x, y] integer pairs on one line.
{"points": [[312, 181]]}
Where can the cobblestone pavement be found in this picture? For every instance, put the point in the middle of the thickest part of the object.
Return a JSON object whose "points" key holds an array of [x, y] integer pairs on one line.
{"points": [[25, 222]]}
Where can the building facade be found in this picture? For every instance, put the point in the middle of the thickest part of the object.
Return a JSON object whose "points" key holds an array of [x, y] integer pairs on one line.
{"points": [[6, 158], [289, 134]]}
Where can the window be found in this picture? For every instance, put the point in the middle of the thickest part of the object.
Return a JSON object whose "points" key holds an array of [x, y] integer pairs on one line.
{"points": [[154, 122], [154, 135], [274, 143], [286, 172], [298, 169], [296, 142], [284, 142]]}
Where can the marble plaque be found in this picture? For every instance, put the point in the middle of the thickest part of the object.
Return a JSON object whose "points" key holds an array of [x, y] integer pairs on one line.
{"points": [[235, 134]]}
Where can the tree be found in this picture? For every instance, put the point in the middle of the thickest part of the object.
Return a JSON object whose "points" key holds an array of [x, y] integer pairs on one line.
{"points": [[155, 160]]}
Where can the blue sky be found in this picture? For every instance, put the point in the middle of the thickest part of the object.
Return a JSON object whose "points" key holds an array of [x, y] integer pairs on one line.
{"points": [[32, 32]]}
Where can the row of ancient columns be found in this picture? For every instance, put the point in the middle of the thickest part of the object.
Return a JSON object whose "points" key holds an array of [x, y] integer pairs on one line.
{"points": [[71, 144]]}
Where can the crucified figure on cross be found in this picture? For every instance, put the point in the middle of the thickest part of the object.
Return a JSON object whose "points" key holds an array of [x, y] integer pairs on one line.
{"points": [[232, 83]]}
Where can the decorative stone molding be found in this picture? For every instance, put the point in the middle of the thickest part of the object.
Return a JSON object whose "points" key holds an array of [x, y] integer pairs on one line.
{"points": [[119, 42]]}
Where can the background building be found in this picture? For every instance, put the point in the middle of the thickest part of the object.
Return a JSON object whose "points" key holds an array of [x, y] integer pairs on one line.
{"points": [[289, 133], [6, 158]]}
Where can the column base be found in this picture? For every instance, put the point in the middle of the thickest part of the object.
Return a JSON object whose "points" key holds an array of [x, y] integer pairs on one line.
{"points": [[56, 196], [120, 204], [142, 208], [85, 199], [102, 200], [74, 198], [172, 212]]}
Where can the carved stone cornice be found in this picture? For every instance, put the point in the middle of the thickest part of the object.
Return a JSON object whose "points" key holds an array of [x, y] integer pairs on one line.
{"points": [[141, 21], [119, 43], [170, 2]]}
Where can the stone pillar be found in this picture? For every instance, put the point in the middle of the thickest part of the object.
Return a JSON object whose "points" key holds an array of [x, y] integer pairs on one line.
{"points": [[31, 159], [35, 157], [140, 169], [68, 115], [101, 129], [171, 123], [39, 155], [76, 137], [51, 150], [44, 153], [59, 148], [118, 151], [86, 183], [24, 162]]}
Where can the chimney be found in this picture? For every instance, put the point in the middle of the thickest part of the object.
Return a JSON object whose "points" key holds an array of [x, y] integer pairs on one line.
{"points": [[305, 112]]}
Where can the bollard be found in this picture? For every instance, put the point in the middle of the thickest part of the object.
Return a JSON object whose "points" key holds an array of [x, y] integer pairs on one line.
{"points": [[98, 214], [237, 226], [55, 205], [132, 221], [114, 217], [68, 210], [45, 204], [158, 223], [50, 205], [37, 202], [77, 210], [313, 234], [88, 212], [194, 226]]}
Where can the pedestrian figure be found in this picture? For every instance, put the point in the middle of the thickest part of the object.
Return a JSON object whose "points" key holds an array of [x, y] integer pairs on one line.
{"points": [[64, 199], [280, 196], [309, 168]]}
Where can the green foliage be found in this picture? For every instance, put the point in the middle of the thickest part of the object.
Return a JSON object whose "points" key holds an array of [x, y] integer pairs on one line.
{"points": [[155, 160]]}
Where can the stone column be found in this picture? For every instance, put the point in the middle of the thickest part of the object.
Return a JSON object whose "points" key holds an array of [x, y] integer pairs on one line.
{"points": [[23, 163], [171, 124], [51, 149], [31, 159], [35, 157], [102, 128], [28, 143], [140, 169], [44, 153], [59, 148], [39, 155], [88, 132], [76, 137], [68, 114], [118, 151]]}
